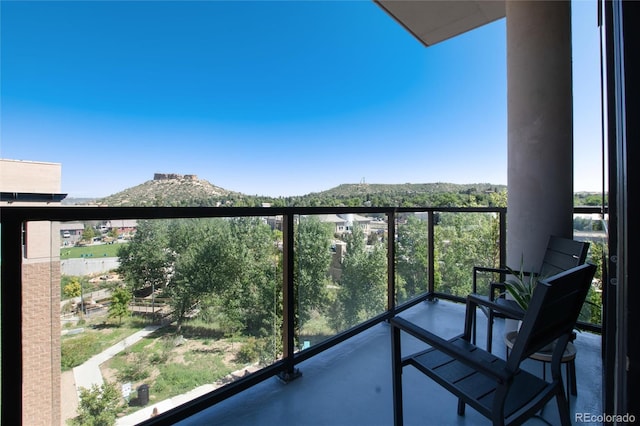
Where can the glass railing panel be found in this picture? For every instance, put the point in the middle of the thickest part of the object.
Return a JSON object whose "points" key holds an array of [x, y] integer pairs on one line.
{"points": [[592, 228], [462, 241], [207, 293], [317, 268], [186, 306], [340, 273], [412, 255]]}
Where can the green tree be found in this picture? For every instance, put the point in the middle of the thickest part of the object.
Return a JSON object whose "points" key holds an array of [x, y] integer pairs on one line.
{"points": [[497, 199], [73, 288], [113, 233], [412, 258], [254, 286], [147, 260], [311, 267], [202, 264], [88, 233], [462, 241], [233, 263], [98, 406], [592, 309], [119, 307], [364, 279]]}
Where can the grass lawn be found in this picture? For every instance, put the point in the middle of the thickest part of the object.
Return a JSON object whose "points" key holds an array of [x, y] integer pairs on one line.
{"points": [[98, 335], [98, 250], [168, 363], [169, 369]]}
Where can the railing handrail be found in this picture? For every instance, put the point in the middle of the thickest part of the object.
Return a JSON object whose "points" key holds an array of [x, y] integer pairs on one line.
{"points": [[63, 213]]}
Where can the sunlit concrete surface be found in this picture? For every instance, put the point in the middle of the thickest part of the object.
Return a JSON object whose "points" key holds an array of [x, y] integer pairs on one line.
{"points": [[350, 384]]}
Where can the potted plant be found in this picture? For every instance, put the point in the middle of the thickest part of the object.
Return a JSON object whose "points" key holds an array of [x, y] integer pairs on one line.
{"points": [[521, 286]]}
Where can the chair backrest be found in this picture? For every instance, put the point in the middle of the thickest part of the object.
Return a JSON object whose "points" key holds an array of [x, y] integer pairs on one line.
{"points": [[553, 311], [562, 254]]}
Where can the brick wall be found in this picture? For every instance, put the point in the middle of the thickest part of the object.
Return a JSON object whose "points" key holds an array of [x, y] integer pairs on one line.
{"points": [[41, 343]]}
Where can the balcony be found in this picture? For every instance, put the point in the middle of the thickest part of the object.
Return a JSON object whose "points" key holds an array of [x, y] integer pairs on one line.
{"points": [[345, 373], [350, 384]]}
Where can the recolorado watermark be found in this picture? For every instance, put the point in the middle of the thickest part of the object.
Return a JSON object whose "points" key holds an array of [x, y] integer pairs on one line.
{"points": [[604, 418]]}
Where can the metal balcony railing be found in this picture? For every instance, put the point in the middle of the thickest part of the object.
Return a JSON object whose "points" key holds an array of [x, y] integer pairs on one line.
{"points": [[12, 232]]}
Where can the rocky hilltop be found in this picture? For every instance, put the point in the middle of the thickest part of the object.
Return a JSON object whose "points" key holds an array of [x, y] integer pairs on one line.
{"points": [[169, 189]]}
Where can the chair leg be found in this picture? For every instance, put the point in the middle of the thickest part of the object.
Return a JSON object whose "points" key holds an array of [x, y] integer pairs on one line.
{"points": [[568, 386], [396, 366], [489, 330], [571, 366], [563, 407], [461, 406]]}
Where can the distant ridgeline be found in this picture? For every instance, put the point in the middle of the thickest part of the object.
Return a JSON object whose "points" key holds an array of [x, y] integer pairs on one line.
{"points": [[178, 190]]}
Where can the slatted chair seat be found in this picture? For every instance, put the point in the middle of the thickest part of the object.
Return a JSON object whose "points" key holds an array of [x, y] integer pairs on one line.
{"points": [[460, 378], [499, 389]]}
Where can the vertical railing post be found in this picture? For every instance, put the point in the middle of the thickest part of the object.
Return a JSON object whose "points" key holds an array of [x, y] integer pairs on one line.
{"points": [[431, 251], [11, 300], [503, 241], [289, 371], [391, 262]]}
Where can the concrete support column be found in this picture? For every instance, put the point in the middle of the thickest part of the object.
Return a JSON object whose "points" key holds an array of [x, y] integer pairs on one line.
{"points": [[540, 128]]}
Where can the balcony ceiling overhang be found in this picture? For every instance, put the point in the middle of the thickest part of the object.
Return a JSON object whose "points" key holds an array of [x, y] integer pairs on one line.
{"points": [[433, 21]]}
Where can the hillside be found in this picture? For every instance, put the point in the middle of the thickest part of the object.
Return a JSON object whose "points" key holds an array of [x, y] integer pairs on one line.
{"points": [[169, 190], [187, 190], [353, 189], [174, 190]]}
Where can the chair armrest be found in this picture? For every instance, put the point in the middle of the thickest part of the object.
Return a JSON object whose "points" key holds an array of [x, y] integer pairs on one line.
{"points": [[493, 285], [450, 349], [500, 287], [505, 271], [476, 269], [478, 300]]}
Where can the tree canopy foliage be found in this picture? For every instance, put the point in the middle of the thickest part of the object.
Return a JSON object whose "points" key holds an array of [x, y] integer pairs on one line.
{"points": [[230, 270], [364, 279], [311, 265]]}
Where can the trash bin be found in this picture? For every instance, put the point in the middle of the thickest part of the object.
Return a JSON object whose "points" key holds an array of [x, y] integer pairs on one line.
{"points": [[143, 395]]}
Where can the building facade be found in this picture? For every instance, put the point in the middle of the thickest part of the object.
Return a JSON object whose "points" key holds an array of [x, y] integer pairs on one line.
{"points": [[31, 183]]}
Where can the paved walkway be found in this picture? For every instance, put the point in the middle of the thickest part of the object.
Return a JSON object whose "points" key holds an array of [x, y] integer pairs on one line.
{"points": [[89, 374]]}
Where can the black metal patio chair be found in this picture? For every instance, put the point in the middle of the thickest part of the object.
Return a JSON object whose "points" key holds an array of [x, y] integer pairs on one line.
{"points": [[560, 255], [499, 389]]}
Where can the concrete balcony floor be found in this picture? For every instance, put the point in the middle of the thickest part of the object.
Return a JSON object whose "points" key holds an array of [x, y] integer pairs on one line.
{"points": [[350, 384]]}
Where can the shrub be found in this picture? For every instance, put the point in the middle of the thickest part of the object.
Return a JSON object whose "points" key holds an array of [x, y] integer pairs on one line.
{"points": [[98, 406], [163, 354], [135, 371], [249, 352], [77, 350]]}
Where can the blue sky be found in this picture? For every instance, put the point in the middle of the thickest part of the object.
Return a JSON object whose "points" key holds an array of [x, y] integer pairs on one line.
{"points": [[268, 97]]}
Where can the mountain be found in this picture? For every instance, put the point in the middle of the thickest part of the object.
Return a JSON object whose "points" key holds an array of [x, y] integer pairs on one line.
{"points": [[354, 189], [188, 191], [170, 189], [78, 201], [176, 190]]}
